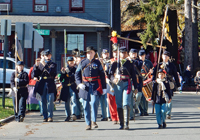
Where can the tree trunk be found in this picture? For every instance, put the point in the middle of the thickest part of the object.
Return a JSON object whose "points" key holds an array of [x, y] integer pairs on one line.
{"points": [[188, 35], [195, 35], [172, 16]]}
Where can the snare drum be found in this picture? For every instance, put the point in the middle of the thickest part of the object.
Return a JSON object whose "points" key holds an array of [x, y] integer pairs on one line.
{"points": [[147, 89]]}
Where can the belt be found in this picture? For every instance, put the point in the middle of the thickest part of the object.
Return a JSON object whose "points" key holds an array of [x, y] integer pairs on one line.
{"points": [[22, 87], [124, 77], [90, 79], [45, 77], [67, 85]]}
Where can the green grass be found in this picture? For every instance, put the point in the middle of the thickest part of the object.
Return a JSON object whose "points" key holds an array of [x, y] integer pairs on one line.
{"points": [[8, 110]]}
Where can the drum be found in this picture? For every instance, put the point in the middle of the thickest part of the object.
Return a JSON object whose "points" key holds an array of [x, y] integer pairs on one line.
{"points": [[147, 89]]}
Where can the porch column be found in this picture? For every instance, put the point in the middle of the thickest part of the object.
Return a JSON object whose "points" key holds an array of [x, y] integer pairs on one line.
{"points": [[99, 43], [53, 42]]}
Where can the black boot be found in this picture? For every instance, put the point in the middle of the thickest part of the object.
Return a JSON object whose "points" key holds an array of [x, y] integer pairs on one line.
{"points": [[126, 116], [121, 117]]}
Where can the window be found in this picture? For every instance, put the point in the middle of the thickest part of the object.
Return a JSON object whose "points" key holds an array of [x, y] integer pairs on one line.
{"points": [[75, 41], [5, 5], [40, 5], [5, 1], [76, 5], [10, 64]]}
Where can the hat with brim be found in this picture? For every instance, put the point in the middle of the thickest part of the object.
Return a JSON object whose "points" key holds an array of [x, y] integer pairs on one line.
{"points": [[142, 52], [70, 58], [114, 47], [123, 49], [105, 51], [133, 51], [47, 52], [90, 48], [162, 71], [166, 53], [20, 63]]}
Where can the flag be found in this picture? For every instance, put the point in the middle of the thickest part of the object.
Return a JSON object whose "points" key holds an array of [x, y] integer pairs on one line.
{"points": [[19, 51], [124, 42]]}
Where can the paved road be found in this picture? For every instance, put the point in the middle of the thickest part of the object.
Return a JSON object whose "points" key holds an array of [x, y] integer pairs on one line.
{"points": [[184, 125]]}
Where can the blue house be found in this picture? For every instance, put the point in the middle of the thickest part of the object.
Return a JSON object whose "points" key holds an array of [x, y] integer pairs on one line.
{"points": [[87, 22]]}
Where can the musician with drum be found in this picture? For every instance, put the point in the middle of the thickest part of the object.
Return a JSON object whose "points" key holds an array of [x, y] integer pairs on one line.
{"points": [[147, 86], [171, 75], [122, 73]]}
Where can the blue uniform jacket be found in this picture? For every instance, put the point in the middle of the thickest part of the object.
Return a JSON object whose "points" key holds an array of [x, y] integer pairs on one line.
{"points": [[21, 85], [126, 69], [171, 70], [47, 74], [138, 64], [159, 99], [66, 79], [88, 68]]}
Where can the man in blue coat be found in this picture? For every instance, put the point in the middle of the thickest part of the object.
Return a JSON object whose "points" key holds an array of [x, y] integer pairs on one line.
{"points": [[69, 91], [21, 91], [90, 79], [46, 87], [172, 75], [137, 65], [123, 75]]}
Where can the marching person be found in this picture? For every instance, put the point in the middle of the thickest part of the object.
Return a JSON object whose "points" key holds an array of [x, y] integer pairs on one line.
{"points": [[21, 90], [171, 75], [90, 79], [103, 98], [160, 96], [197, 81], [46, 70], [137, 66], [69, 90], [110, 91], [146, 71], [123, 76]]}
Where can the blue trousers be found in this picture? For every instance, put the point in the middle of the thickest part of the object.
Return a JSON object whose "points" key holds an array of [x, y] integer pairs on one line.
{"points": [[143, 106], [47, 104], [21, 106], [121, 96], [73, 102], [132, 106], [169, 108], [103, 103], [90, 107], [160, 113]]}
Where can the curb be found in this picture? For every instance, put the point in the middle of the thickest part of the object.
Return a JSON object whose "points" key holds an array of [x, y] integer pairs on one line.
{"points": [[187, 92], [7, 119]]}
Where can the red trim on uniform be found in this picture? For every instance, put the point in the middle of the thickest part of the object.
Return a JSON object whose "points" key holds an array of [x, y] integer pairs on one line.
{"points": [[97, 78]]}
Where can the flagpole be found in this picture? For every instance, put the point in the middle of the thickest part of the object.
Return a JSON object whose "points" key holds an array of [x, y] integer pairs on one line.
{"points": [[16, 101], [65, 42]]}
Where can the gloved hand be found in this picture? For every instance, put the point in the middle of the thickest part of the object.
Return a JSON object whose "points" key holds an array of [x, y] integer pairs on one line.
{"points": [[15, 89], [133, 88], [17, 80], [104, 91], [81, 86], [67, 70], [136, 91], [107, 80], [117, 76]]}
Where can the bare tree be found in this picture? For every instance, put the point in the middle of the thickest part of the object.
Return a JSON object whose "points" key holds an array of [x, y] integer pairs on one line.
{"points": [[188, 35], [195, 34]]}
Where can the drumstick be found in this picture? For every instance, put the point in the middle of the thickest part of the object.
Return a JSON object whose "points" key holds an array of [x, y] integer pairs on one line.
{"points": [[148, 74]]}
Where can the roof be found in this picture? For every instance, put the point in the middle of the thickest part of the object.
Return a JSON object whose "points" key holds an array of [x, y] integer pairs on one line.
{"points": [[55, 21]]}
